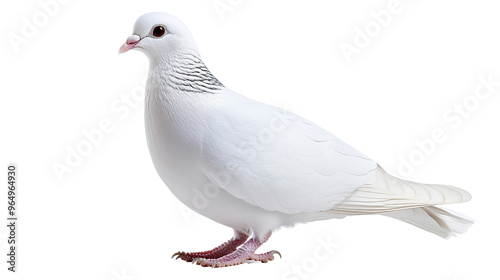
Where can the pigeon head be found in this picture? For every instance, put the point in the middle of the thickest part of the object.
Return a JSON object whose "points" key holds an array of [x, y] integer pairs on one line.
{"points": [[158, 34]]}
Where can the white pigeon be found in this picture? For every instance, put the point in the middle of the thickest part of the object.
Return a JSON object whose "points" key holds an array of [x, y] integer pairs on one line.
{"points": [[254, 167]]}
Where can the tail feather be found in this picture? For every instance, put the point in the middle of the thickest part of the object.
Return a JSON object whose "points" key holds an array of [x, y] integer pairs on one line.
{"points": [[443, 223]]}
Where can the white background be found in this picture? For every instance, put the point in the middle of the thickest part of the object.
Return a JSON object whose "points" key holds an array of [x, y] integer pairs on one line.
{"points": [[111, 217]]}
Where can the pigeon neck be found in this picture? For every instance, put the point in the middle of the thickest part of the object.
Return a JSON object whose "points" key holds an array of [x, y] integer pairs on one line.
{"points": [[187, 72]]}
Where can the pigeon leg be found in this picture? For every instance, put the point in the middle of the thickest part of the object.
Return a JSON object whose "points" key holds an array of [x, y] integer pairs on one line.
{"points": [[222, 250], [245, 253]]}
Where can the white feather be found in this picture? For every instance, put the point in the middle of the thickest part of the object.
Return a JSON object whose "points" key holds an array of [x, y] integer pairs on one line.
{"points": [[443, 223]]}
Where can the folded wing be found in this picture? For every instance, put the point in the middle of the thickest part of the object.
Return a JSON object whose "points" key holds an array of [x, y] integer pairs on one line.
{"points": [[279, 161]]}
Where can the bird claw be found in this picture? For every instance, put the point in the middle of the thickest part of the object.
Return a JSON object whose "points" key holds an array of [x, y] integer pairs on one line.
{"points": [[178, 254], [276, 252], [183, 256]]}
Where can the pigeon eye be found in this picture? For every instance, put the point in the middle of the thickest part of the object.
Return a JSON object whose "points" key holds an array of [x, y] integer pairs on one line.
{"points": [[158, 31]]}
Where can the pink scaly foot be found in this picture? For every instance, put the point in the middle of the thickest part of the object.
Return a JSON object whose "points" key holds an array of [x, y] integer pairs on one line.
{"points": [[224, 249], [241, 255]]}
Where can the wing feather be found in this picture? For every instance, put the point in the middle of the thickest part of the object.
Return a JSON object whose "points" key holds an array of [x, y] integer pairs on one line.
{"points": [[279, 161], [389, 193]]}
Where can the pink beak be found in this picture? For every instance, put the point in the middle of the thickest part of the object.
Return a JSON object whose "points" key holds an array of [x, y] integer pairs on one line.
{"points": [[130, 43]]}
